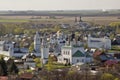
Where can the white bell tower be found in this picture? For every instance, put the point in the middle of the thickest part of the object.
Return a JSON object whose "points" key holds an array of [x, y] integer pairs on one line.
{"points": [[44, 50], [11, 50], [37, 42]]}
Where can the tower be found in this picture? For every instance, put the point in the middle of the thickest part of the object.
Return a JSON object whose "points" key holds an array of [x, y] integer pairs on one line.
{"points": [[11, 50], [80, 19], [44, 50], [37, 42], [75, 19]]}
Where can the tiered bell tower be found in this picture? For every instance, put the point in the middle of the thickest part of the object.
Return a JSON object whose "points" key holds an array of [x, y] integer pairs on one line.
{"points": [[37, 42], [44, 50]]}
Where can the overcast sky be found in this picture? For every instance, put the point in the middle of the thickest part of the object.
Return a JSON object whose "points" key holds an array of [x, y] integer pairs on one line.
{"points": [[58, 4]]}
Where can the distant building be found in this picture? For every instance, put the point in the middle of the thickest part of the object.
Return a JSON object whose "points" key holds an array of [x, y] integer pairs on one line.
{"points": [[29, 60], [104, 43]]}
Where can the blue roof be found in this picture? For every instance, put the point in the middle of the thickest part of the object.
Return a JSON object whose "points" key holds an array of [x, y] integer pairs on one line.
{"points": [[103, 57]]}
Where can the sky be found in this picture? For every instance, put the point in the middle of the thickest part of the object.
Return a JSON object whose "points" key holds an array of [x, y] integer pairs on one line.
{"points": [[58, 4]]}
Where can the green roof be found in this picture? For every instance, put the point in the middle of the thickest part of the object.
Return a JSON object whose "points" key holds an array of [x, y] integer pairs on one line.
{"points": [[78, 54], [87, 55]]}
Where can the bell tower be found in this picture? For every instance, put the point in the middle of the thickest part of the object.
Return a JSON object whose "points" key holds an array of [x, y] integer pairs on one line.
{"points": [[37, 42], [44, 50]]}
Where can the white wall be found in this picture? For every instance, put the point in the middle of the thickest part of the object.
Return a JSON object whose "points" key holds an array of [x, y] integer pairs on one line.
{"points": [[44, 52], [99, 43], [30, 64], [78, 59]]}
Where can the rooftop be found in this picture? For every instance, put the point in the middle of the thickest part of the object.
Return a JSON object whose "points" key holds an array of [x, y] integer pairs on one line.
{"points": [[78, 54], [26, 76]]}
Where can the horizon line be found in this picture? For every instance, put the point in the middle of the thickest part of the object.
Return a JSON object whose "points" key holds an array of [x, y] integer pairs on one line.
{"points": [[60, 10]]}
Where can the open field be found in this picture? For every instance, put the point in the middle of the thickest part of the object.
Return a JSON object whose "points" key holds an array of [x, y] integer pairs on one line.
{"points": [[102, 20], [13, 20]]}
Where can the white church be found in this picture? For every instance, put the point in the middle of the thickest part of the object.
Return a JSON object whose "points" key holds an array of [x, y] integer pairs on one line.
{"points": [[73, 52]]}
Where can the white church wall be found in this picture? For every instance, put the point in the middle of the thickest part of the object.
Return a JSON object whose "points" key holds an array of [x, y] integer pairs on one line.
{"points": [[99, 43], [78, 59]]}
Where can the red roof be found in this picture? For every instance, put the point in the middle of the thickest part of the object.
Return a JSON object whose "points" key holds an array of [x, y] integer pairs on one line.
{"points": [[97, 53], [26, 76], [111, 62], [3, 78]]}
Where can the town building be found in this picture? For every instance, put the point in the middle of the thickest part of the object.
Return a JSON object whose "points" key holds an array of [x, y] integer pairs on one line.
{"points": [[104, 43], [29, 60]]}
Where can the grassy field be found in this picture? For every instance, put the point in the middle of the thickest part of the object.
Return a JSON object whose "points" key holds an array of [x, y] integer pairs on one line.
{"points": [[102, 20], [115, 48], [13, 20]]}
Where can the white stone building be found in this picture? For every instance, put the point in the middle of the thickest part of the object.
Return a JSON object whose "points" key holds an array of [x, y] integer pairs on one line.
{"points": [[7, 48], [104, 43], [73, 52], [29, 60]]}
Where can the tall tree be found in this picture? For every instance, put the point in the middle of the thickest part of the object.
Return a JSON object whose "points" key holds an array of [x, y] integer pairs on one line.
{"points": [[38, 62], [3, 67], [12, 68], [31, 48], [107, 76], [50, 64]]}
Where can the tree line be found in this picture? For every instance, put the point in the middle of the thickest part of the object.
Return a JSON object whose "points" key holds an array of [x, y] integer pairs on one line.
{"points": [[7, 68]]}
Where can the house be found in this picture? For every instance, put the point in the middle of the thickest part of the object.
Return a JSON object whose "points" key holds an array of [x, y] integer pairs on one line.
{"points": [[116, 40], [29, 60], [102, 56], [3, 78], [27, 76]]}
